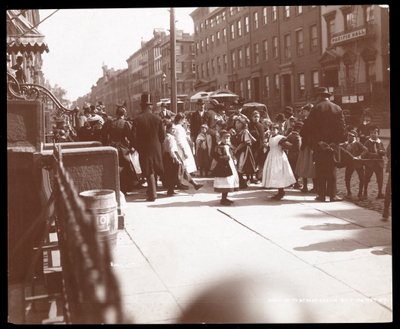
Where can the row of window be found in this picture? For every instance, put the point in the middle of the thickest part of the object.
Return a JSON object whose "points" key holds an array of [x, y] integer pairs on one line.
{"points": [[242, 57], [271, 85], [350, 16], [266, 14], [203, 46]]}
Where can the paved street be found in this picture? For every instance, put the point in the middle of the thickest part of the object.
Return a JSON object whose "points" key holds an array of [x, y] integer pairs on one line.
{"points": [[371, 202], [187, 259]]}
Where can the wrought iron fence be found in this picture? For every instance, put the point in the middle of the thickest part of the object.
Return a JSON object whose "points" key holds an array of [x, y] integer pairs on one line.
{"points": [[90, 288], [64, 119]]}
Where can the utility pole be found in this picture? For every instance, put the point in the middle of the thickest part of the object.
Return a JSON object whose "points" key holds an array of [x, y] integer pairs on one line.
{"points": [[173, 61]]}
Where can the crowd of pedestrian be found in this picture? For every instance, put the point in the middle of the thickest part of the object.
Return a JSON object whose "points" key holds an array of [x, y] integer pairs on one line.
{"points": [[292, 150]]}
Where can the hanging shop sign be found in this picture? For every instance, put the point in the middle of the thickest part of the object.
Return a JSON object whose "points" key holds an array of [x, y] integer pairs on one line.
{"points": [[349, 36]]}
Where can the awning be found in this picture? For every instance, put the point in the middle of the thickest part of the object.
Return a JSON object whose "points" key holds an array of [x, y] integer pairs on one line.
{"points": [[22, 36]]}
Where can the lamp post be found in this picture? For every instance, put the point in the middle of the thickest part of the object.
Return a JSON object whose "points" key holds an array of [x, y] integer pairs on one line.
{"points": [[173, 59], [163, 77]]}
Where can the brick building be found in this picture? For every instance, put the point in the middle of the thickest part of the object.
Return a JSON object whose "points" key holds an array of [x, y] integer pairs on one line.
{"points": [[184, 66], [264, 54], [145, 70], [355, 62]]}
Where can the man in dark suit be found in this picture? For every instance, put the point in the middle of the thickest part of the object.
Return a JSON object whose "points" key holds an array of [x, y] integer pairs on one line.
{"points": [[200, 117], [326, 127], [165, 113], [148, 137]]}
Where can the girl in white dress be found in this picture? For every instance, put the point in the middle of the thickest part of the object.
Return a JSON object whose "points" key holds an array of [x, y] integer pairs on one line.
{"points": [[226, 177], [277, 172], [184, 150]]}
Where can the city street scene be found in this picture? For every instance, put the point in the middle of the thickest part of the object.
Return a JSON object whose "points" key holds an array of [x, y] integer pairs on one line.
{"points": [[202, 165]]}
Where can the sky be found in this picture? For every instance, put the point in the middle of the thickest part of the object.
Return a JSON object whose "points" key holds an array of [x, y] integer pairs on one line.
{"points": [[80, 41]]}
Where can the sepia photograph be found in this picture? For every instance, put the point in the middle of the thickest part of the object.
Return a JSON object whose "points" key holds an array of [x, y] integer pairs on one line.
{"points": [[199, 165]]}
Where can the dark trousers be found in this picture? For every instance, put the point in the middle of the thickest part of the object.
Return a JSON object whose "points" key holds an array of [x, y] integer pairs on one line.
{"points": [[151, 187], [388, 196], [370, 169], [347, 177], [325, 173], [171, 172]]}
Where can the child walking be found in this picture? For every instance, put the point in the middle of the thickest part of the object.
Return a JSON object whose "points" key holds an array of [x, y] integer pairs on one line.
{"points": [[277, 172], [203, 150], [226, 177], [376, 152], [171, 159]]}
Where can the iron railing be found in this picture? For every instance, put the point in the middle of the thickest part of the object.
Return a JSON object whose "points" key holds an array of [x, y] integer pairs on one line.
{"points": [[90, 288], [35, 92]]}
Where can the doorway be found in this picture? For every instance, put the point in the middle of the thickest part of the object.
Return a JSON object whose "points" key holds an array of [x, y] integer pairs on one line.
{"points": [[287, 89]]}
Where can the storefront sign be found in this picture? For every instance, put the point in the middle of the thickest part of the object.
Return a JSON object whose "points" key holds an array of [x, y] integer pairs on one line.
{"points": [[349, 36]]}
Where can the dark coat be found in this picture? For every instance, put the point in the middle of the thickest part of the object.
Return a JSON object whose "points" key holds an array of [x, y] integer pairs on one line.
{"points": [[196, 120], [222, 168], [257, 130], [325, 123], [295, 140], [148, 135], [116, 133]]}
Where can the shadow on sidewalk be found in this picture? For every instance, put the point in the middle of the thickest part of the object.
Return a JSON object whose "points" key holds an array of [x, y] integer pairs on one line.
{"points": [[331, 227], [333, 246]]}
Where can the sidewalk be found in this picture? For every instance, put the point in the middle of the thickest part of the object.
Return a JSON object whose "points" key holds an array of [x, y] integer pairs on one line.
{"points": [[188, 259]]}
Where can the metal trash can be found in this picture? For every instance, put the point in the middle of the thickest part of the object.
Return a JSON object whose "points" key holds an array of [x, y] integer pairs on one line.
{"points": [[103, 205]]}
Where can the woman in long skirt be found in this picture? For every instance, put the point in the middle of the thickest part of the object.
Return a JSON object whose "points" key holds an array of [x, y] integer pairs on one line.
{"points": [[226, 177], [277, 172]]}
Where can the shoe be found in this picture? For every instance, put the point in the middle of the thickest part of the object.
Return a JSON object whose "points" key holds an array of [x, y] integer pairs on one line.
{"points": [[150, 199], [243, 186], [380, 196], [320, 198], [313, 190], [297, 186], [348, 196], [169, 193], [335, 198], [226, 202], [278, 196], [304, 190], [197, 186], [182, 187]]}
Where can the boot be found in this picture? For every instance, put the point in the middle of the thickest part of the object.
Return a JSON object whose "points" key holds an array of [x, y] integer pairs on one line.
{"points": [[279, 195], [195, 185], [305, 187], [242, 182]]}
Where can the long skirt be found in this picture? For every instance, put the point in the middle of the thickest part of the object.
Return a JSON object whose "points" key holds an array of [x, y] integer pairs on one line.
{"points": [[277, 172], [305, 164], [227, 184]]}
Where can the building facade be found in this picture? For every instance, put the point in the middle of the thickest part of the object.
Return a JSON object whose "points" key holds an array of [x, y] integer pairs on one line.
{"points": [[276, 55], [264, 54], [145, 70], [184, 66], [24, 39], [355, 62]]}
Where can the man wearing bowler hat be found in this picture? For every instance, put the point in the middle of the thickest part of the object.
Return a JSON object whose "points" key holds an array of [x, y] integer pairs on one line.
{"points": [[148, 137], [200, 117], [289, 120], [326, 127]]}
